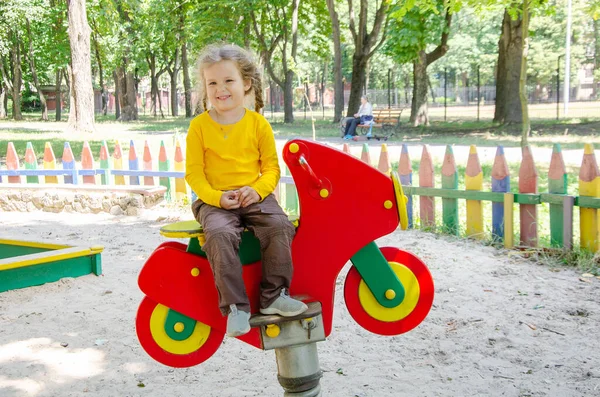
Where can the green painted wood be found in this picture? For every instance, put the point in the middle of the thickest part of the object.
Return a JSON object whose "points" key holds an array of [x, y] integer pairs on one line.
{"points": [[378, 275], [173, 318], [557, 184], [11, 251], [450, 181], [28, 276], [291, 195]]}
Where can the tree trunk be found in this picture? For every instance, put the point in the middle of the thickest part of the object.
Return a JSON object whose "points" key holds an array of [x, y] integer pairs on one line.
{"points": [[16, 77], [58, 95], [419, 112], [187, 82], [127, 94], [510, 51], [338, 84], [418, 109], [117, 96], [174, 74], [103, 91], [288, 97], [153, 83], [365, 45], [4, 88], [358, 78], [81, 112], [523, 78], [36, 82], [3, 100]]}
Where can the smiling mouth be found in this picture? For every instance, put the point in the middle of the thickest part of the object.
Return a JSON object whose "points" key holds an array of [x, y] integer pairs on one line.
{"points": [[222, 98]]}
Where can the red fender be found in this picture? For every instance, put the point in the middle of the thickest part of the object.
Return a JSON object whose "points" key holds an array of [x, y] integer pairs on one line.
{"points": [[184, 282]]}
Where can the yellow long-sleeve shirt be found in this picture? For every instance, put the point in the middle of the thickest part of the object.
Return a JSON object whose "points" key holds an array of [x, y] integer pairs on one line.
{"points": [[227, 157]]}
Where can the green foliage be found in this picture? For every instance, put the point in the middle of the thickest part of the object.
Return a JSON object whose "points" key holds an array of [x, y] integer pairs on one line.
{"points": [[413, 29]]}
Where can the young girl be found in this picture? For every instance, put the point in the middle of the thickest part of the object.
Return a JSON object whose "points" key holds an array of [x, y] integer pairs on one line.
{"points": [[233, 168]]}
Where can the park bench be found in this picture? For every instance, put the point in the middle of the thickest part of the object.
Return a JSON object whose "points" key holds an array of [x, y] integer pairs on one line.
{"points": [[386, 119]]}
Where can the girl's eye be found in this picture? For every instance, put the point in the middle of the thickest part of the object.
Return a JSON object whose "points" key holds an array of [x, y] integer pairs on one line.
{"points": [[212, 83], [229, 80]]}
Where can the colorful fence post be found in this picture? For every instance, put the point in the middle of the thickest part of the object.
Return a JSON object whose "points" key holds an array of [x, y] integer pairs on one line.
{"points": [[31, 163], [118, 163], [104, 163], [364, 155], [12, 162], [557, 184], [528, 183], [346, 148], [148, 180], [68, 163], [49, 163], [588, 187], [474, 181], [291, 194], [179, 165], [134, 164], [427, 179], [509, 201], [500, 184], [384, 160], [405, 172], [450, 181], [163, 165], [87, 163]]}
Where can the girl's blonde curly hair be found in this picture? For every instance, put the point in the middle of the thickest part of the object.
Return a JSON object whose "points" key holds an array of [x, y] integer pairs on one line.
{"points": [[245, 63]]}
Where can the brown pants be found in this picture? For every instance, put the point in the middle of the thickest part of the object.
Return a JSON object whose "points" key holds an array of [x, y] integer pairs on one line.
{"points": [[223, 230]]}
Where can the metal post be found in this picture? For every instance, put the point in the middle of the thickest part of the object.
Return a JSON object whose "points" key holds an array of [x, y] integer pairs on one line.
{"points": [[294, 340], [478, 92], [389, 92], [271, 96], [558, 87], [445, 91], [305, 98], [566, 90]]}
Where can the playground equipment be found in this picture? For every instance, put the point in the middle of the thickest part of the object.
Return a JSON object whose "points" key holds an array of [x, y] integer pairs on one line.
{"points": [[345, 205], [26, 263]]}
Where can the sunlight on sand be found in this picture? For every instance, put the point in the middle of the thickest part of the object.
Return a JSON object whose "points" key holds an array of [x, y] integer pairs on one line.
{"points": [[62, 364]]}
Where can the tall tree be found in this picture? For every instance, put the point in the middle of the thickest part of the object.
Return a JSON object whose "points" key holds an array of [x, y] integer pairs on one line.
{"points": [[510, 52], [338, 85], [81, 112], [411, 33], [365, 45], [278, 23], [125, 72], [36, 82]]}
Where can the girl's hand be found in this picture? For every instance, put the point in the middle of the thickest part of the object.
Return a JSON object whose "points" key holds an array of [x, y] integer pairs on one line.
{"points": [[248, 196], [230, 200]]}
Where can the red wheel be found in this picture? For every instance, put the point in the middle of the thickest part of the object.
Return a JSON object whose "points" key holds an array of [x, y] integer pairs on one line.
{"points": [[373, 317], [197, 348]]}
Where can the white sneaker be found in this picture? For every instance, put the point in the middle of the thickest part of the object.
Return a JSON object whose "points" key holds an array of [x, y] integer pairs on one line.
{"points": [[285, 306], [238, 322]]}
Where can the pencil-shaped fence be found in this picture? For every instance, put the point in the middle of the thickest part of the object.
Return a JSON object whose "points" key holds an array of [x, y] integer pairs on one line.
{"points": [[505, 204], [110, 170]]}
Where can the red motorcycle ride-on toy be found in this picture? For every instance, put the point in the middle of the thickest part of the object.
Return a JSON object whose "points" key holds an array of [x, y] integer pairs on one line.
{"points": [[345, 204]]}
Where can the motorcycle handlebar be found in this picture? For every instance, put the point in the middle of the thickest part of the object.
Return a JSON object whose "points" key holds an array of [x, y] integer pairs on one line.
{"points": [[306, 167]]}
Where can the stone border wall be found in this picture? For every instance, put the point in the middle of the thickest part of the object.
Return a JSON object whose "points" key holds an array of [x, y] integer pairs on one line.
{"points": [[116, 200]]}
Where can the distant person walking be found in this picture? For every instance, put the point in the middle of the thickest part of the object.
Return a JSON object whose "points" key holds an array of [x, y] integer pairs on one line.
{"points": [[364, 115]]}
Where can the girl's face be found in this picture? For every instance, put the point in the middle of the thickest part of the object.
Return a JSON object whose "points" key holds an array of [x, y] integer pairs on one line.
{"points": [[363, 100], [225, 87]]}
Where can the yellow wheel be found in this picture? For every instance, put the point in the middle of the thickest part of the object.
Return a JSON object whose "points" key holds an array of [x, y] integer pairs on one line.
{"points": [[200, 344], [418, 287]]}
